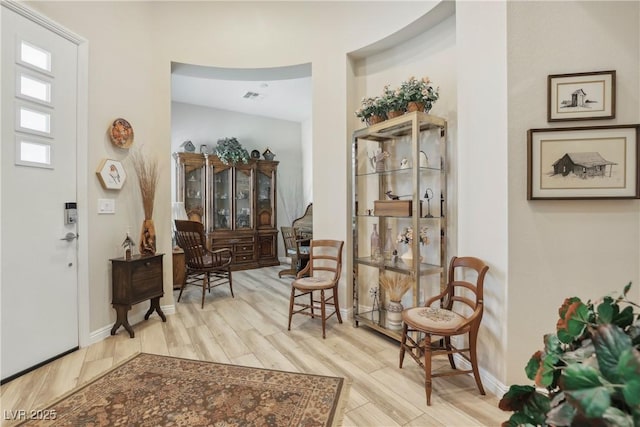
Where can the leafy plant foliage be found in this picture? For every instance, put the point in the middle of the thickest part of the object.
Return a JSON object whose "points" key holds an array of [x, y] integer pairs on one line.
{"points": [[230, 151], [589, 369]]}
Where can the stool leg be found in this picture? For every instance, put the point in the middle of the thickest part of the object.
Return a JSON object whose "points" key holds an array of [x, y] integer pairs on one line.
{"points": [[293, 295], [403, 343], [427, 368], [323, 313], [335, 303]]}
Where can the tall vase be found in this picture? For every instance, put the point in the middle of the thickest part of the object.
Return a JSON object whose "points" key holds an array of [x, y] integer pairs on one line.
{"points": [[375, 243], [394, 315], [148, 238], [388, 245]]}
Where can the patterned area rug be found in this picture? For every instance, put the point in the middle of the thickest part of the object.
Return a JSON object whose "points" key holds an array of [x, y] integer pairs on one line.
{"points": [[152, 390]]}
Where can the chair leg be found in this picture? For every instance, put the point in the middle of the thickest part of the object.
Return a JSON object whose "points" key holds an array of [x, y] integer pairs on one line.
{"points": [[427, 368], [336, 306], [293, 295], [205, 280], [323, 313], [447, 343], [230, 282], [403, 343], [184, 284], [311, 304], [473, 338]]}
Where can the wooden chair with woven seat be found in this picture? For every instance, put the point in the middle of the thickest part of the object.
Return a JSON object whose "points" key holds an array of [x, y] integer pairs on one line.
{"points": [[320, 275], [460, 313], [291, 250], [213, 267]]}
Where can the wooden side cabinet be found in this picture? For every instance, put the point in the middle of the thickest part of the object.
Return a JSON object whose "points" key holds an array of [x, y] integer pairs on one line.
{"points": [[135, 280]]}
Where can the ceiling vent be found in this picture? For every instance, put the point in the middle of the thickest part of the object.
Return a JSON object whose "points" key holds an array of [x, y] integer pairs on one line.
{"points": [[252, 95]]}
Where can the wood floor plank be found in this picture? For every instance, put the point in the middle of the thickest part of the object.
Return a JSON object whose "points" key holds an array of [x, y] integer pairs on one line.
{"points": [[251, 330]]}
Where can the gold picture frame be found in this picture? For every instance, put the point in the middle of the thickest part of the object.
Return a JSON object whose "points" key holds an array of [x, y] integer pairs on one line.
{"points": [[111, 174]]}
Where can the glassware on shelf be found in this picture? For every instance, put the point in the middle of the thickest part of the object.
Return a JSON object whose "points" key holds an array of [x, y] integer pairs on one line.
{"points": [[388, 245], [375, 243]]}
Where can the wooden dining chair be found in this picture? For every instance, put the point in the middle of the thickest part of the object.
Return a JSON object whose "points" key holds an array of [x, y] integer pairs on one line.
{"points": [[212, 267], [460, 313], [320, 276], [290, 247]]}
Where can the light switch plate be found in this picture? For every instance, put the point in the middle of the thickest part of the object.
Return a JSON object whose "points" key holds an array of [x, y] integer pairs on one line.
{"points": [[106, 206]]}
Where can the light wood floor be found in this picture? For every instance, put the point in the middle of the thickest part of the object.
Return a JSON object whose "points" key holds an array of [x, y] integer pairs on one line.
{"points": [[251, 330]]}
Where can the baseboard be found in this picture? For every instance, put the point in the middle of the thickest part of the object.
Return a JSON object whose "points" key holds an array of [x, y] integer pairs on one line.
{"points": [[134, 318], [490, 383]]}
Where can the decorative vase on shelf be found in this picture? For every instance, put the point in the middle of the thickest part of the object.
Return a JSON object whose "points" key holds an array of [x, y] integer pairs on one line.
{"points": [[407, 257], [375, 243], [394, 315], [388, 245], [148, 238]]}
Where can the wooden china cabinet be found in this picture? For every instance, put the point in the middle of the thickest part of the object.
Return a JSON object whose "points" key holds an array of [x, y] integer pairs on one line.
{"points": [[236, 204]]}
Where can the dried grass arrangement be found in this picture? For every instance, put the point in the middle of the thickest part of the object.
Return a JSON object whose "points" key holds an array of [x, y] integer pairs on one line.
{"points": [[395, 285], [147, 172]]}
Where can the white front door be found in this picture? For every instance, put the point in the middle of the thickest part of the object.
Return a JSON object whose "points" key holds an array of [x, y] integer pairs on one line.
{"points": [[38, 253]]}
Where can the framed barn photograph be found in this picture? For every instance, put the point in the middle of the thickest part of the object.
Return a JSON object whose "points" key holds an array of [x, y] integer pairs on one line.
{"points": [[581, 96], [598, 162]]}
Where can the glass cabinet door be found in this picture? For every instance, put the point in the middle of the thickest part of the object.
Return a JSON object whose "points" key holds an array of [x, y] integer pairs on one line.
{"points": [[243, 192], [194, 193], [222, 199], [265, 199]]}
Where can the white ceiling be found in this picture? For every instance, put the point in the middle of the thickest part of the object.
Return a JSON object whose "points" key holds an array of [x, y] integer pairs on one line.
{"points": [[282, 93]]}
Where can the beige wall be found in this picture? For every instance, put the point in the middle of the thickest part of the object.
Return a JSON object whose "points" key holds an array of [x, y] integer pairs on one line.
{"points": [[563, 248]]}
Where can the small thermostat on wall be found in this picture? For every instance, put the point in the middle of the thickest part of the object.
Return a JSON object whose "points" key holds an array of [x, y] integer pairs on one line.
{"points": [[106, 206]]}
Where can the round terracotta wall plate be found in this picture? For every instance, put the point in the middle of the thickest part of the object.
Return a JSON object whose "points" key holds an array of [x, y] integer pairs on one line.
{"points": [[121, 133]]}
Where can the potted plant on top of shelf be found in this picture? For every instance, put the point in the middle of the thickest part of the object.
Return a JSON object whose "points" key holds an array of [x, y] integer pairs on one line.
{"points": [[230, 151], [395, 103], [418, 94], [372, 110], [588, 373]]}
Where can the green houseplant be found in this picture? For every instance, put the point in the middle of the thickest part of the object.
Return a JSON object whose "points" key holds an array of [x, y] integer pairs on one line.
{"points": [[230, 151], [588, 373], [418, 92], [372, 110]]}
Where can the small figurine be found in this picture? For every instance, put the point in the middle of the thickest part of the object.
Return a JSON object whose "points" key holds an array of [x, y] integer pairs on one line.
{"points": [[404, 163], [188, 146], [128, 244], [268, 155], [392, 196]]}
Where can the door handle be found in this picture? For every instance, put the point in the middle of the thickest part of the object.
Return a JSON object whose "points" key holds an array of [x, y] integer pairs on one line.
{"points": [[69, 237]]}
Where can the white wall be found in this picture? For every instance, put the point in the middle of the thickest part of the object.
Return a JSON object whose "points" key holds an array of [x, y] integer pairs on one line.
{"points": [[482, 174], [202, 125], [307, 164], [562, 248]]}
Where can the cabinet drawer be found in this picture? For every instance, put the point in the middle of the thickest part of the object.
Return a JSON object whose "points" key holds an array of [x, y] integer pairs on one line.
{"points": [[147, 270], [242, 257], [246, 248]]}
